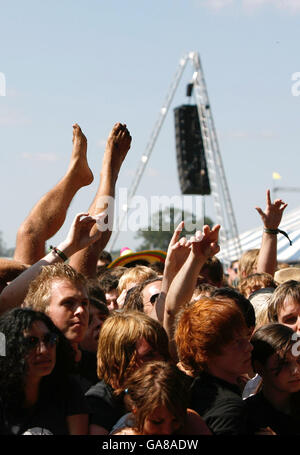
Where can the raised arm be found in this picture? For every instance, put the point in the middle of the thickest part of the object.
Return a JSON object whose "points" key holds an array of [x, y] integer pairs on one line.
{"points": [[271, 218], [201, 247], [174, 261], [10, 269], [79, 237]]}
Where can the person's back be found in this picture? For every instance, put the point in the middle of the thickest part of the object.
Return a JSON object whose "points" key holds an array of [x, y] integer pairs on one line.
{"points": [[219, 403]]}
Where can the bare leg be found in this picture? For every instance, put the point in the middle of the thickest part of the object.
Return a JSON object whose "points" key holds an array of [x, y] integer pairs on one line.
{"points": [[49, 214], [117, 146]]}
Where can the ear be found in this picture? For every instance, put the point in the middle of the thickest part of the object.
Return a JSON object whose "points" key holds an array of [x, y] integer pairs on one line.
{"points": [[134, 410]]}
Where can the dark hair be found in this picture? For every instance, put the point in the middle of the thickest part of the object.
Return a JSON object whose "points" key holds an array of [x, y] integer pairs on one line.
{"points": [[157, 384], [244, 304], [13, 366], [211, 272], [288, 289], [270, 339], [133, 299], [232, 263], [95, 291], [134, 296], [158, 267], [105, 256], [108, 282], [102, 307]]}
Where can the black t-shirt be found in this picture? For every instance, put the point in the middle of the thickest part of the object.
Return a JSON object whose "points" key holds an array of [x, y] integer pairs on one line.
{"points": [[220, 404], [49, 414], [86, 369], [262, 414], [105, 408], [3, 425]]}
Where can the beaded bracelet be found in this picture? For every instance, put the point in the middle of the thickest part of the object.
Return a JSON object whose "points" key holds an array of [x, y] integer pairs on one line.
{"points": [[58, 252]]}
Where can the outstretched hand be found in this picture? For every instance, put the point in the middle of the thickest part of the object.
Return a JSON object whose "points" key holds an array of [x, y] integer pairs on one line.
{"points": [[205, 243], [272, 215], [79, 235], [177, 251]]}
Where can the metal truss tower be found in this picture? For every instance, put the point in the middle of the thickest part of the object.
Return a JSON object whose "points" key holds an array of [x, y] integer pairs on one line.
{"points": [[229, 238]]}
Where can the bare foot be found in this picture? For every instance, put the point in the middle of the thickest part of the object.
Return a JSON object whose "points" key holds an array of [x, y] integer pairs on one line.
{"points": [[78, 163], [117, 146]]}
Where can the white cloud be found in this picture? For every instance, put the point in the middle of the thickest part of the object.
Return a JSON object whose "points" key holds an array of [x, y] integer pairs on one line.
{"points": [[49, 157]]}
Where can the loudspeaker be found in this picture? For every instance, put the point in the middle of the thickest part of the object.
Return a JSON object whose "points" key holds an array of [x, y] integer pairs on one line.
{"points": [[191, 162]]}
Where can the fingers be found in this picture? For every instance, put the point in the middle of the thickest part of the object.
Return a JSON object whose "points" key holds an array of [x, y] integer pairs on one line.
{"points": [[199, 236], [207, 235], [216, 228], [268, 197], [259, 210], [78, 216], [177, 233], [182, 243]]}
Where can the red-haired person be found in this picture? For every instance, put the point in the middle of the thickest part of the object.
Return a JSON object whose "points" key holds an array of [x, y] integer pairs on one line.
{"points": [[213, 346]]}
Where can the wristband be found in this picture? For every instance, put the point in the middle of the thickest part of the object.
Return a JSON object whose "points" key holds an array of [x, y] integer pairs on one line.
{"points": [[277, 231], [58, 252]]}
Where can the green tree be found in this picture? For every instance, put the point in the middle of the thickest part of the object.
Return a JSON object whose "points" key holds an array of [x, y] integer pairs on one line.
{"points": [[163, 223], [5, 252]]}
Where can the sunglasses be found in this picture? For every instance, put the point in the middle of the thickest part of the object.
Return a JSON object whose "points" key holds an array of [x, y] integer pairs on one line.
{"points": [[49, 339]]}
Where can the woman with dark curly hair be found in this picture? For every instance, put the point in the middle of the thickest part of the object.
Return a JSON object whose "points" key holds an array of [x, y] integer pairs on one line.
{"points": [[38, 393]]}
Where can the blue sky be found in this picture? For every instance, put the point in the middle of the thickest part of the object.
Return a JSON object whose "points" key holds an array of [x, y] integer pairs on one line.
{"points": [[99, 62]]}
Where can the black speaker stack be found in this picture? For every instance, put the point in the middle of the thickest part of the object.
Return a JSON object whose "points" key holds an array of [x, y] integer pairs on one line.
{"points": [[191, 162]]}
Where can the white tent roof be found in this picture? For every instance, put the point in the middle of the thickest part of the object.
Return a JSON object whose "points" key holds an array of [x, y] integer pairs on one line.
{"points": [[285, 252]]}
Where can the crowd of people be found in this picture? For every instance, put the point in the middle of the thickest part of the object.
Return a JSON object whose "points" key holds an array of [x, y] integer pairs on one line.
{"points": [[179, 346]]}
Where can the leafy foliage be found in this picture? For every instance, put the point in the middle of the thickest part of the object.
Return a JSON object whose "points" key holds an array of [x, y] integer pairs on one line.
{"points": [[163, 223]]}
